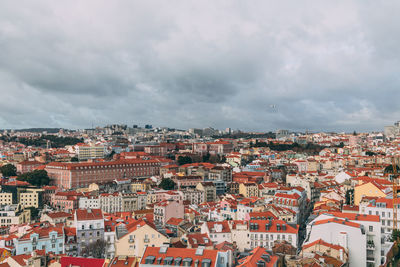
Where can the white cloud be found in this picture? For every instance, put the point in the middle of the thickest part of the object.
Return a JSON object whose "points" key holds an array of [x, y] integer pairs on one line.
{"points": [[325, 65]]}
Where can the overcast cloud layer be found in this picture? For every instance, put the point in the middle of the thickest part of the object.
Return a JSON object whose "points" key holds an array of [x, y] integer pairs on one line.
{"points": [[253, 65]]}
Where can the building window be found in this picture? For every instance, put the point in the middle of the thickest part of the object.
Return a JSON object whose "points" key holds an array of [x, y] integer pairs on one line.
{"points": [[371, 228]]}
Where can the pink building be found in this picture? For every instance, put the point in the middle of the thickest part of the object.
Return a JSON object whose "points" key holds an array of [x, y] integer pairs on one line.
{"points": [[187, 181], [157, 196], [66, 201], [217, 147], [167, 209], [75, 175], [155, 150], [48, 191], [354, 140], [301, 165], [220, 147], [27, 166], [200, 148]]}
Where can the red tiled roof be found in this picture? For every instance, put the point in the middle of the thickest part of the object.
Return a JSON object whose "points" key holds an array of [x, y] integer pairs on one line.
{"points": [[81, 262], [352, 208], [356, 217], [338, 221], [61, 214], [21, 259], [265, 214], [255, 256], [291, 196], [48, 187], [43, 232], [70, 166], [174, 221], [273, 227], [199, 239], [70, 231], [225, 227], [323, 243], [94, 214], [122, 262], [17, 183], [30, 162], [367, 179], [224, 246], [182, 253]]}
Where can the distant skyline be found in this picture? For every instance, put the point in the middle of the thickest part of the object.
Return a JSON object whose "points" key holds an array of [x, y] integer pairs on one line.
{"points": [[254, 66], [185, 129]]}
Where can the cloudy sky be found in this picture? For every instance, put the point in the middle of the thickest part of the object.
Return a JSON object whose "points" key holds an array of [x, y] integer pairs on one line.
{"points": [[253, 65]]}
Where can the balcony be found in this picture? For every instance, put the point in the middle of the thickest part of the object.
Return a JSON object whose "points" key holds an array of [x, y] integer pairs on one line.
{"points": [[370, 245]]}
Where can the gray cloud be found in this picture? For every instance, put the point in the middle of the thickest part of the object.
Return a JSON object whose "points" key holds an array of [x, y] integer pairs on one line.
{"points": [[325, 65]]}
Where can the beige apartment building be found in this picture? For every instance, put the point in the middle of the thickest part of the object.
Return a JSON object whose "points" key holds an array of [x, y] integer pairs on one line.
{"points": [[5, 198], [14, 214], [248, 189], [31, 197], [86, 151], [140, 235], [210, 192]]}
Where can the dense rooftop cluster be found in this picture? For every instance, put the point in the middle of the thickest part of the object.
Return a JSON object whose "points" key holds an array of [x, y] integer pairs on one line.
{"points": [[122, 196]]}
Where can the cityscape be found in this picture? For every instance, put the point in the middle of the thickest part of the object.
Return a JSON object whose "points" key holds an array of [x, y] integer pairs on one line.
{"points": [[149, 196], [199, 133]]}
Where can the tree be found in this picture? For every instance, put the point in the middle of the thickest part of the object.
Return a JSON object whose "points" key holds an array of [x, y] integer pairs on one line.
{"points": [[395, 235], [223, 159], [96, 249], [341, 145], [34, 213], [184, 160], [370, 153], [167, 184], [214, 159], [36, 177], [74, 159], [8, 170], [206, 157], [111, 155], [389, 169]]}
